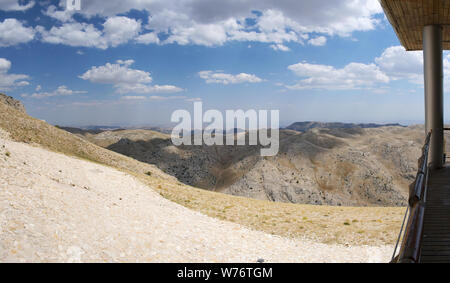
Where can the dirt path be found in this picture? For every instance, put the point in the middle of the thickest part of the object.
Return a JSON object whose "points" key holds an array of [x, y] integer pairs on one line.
{"points": [[54, 208]]}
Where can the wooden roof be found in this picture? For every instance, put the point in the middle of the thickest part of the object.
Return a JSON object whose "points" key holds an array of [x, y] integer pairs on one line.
{"points": [[408, 17]]}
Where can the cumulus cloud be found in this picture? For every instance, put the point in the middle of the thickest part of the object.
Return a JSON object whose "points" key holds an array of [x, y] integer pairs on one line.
{"points": [[148, 38], [9, 81], [13, 32], [318, 41], [395, 63], [330, 17], [352, 76], [64, 15], [116, 31], [119, 30], [215, 22], [212, 77], [73, 34], [60, 91], [280, 47], [398, 63], [125, 79], [16, 5]]}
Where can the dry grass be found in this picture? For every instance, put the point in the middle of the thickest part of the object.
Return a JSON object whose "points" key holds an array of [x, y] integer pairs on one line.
{"points": [[326, 224], [344, 225]]}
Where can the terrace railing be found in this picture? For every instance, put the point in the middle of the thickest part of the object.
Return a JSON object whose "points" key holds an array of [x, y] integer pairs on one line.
{"points": [[411, 233]]}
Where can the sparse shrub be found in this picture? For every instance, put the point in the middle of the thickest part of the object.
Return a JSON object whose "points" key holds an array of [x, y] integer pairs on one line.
{"points": [[8, 154], [148, 173], [346, 223]]}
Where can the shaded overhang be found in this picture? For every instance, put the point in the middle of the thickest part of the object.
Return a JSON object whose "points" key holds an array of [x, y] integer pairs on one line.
{"points": [[408, 17]]}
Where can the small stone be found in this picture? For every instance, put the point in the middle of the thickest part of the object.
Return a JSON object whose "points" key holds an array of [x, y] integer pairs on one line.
{"points": [[260, 260]]}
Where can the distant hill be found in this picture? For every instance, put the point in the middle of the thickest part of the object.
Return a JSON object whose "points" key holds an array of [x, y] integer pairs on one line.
{"points": [[102, 128], [80, 131], [162, 130], [343, 165], [305, 126]]}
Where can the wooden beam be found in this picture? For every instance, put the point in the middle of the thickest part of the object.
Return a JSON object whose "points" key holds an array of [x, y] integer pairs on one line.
{"points": [[408, 17]]}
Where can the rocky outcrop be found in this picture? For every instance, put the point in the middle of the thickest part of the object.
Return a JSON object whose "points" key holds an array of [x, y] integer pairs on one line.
{"points": [[8, 100]]}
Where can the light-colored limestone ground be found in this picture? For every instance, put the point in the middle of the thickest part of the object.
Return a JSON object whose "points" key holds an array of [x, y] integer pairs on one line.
{"points": [[54, 208]]}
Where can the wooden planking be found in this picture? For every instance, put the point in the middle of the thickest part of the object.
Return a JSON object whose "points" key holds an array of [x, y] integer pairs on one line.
{"points": [[408, 17], [436, 233]]}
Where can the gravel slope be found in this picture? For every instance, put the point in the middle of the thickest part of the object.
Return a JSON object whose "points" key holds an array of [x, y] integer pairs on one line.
{"points": [[55, 208]]}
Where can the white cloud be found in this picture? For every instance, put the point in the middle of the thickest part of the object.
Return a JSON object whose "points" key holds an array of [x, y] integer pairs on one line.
{"points": [[195, 99], [64, 15], [161, 98], [125, 79], [9, 81], [116, 31], [395, 63], [60, 91], [142, 88], [148, 38], [133, 97], [38, 88], [5, 65], [318, 41], [23, 83], [330, 17], [208, 23], [15, 5], [118, 74], [74, 34], [280, 47], [89, 104], [119, 30], [13, 32], [215, 22], [222, 78], [352, 76], [183, 30], [398, 63]]}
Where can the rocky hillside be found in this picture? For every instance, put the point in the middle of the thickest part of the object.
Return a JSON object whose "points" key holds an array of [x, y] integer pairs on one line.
{"points": [[338, 166], [9, 101]]}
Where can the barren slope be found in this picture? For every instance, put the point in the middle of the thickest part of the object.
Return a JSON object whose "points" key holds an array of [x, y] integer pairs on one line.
{"points": [[343, 167], [60, 209]]}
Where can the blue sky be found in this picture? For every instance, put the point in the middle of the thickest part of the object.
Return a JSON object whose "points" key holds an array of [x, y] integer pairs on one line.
{"points": [[133, 62]]}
